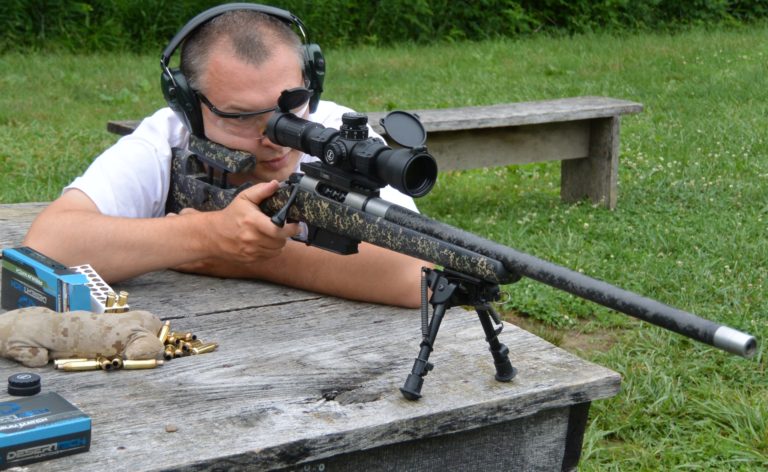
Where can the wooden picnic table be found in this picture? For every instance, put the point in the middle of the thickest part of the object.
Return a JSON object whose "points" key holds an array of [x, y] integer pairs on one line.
{"points": [[302, 381]]}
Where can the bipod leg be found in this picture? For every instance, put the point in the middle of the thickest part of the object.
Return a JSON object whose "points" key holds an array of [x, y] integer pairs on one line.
{"points": [[442, 291], [500, 352]]}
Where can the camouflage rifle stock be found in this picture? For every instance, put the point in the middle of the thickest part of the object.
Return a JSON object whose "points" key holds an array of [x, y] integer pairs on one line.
{"points": [[340, 211]]}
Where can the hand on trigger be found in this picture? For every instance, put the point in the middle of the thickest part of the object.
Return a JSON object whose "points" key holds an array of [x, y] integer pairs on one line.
{"points": [[243, 234]]}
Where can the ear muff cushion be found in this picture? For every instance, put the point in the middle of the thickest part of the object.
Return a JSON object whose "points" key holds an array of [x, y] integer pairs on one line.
{"points": [[315, 70], [182, 100]]}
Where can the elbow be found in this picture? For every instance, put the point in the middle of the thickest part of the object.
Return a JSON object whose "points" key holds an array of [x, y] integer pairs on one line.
{"points": [[37, 241], [47, 241]]}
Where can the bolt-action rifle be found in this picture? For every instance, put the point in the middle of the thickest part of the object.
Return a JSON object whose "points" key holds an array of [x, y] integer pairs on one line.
{"points": [[338, 200]]}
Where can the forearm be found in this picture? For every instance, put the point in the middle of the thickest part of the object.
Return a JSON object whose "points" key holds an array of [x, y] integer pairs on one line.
{"points": [[373, 275], [117, 248], [238, 241]]}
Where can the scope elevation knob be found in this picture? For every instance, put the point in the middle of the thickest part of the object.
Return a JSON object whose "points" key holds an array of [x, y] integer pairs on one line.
{"points": [[353, 126]]}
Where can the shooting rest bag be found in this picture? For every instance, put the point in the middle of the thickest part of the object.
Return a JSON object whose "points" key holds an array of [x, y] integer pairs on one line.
{"points": [[33, 336]]}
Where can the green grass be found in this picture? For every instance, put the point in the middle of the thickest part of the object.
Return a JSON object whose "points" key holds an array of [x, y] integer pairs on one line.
{"points": [[691, 227]]}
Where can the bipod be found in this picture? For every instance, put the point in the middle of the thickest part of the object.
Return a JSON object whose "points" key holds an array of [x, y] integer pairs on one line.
{"points": [[450, 289]]}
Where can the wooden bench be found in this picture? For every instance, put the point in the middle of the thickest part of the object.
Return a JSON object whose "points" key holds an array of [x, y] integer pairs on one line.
{"points": [[582, 132], [306, 382]]}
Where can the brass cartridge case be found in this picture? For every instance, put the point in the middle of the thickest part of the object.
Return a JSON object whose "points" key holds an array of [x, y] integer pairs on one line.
{"points": [[58, 362], [204, 348], [117, 362], [104, 363], [171, 339], [184, 336], [80, 365], [163, 336], [110, 300], [141, 364], [169, 352], [122, 299]]}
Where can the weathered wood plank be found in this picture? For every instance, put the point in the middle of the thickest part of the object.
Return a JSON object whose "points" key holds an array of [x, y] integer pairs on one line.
{"points": [[520, 113], [582, 132], [492, 116], [299, 378], [491, 147], [596, 176], [308, 380], [15, 220], [526, 444]]}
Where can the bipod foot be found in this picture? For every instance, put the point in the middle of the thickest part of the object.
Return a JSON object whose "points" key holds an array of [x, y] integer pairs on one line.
{"points": [[442, 293], [505, 372], [412, 388], [451, 289]]}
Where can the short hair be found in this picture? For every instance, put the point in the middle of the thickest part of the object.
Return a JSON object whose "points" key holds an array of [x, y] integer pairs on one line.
{"points": [[251, 34]]}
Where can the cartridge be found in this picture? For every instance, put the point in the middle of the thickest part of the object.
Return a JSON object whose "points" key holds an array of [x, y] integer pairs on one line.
{"points": [[103, 299]]}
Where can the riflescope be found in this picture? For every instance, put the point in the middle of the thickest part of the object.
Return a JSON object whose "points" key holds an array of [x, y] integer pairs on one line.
{"points": [[413, 170]]}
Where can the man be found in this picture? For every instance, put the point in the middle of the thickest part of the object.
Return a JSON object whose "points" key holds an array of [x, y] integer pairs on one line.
{"points": [[112, 217]]}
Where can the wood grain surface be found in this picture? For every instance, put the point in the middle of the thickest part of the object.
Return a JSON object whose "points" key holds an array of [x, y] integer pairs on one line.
{"points": [[297, 377], [489, 116]]}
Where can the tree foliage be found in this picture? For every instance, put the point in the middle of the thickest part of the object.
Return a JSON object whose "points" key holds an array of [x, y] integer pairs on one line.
{"points": [[146, 25]]}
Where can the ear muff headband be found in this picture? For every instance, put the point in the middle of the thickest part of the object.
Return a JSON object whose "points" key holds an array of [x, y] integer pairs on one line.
{"points": [[183, 100]]}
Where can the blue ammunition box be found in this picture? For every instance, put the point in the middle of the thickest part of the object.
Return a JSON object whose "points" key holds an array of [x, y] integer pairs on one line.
{"points": [[41, 427], [33, 279]]}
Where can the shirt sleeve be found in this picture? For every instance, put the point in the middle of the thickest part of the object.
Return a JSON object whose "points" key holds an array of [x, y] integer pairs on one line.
{"points": [[132, 178]]}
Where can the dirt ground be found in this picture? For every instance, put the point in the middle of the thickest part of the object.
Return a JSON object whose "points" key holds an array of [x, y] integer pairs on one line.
{"points": [[580, 339]]}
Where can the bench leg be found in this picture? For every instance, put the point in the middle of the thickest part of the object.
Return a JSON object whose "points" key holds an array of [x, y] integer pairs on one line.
{"points": [[596, 176]]}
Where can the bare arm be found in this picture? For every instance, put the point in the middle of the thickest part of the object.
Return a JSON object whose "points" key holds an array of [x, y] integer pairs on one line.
{"points": [[239, 241], [73, 231], [373, 274]]}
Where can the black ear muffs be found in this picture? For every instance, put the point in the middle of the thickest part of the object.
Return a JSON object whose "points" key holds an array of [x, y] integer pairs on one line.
{"points": [[314, 70], [182, 98]]}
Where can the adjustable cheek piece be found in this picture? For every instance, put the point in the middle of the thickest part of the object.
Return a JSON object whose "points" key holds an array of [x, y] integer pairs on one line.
{"points": [[199, 175]]}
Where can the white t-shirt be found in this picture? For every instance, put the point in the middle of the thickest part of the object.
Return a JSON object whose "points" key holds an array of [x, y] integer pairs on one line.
{"points": [[132, 178]]}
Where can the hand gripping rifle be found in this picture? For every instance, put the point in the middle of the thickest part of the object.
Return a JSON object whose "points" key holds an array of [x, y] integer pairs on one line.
{"points": [[338, 200]]}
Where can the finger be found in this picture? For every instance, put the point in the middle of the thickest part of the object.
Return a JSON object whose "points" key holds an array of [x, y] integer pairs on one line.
{"points": [[293, 229], [187, 211], [257, 193], [266, 227]]}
